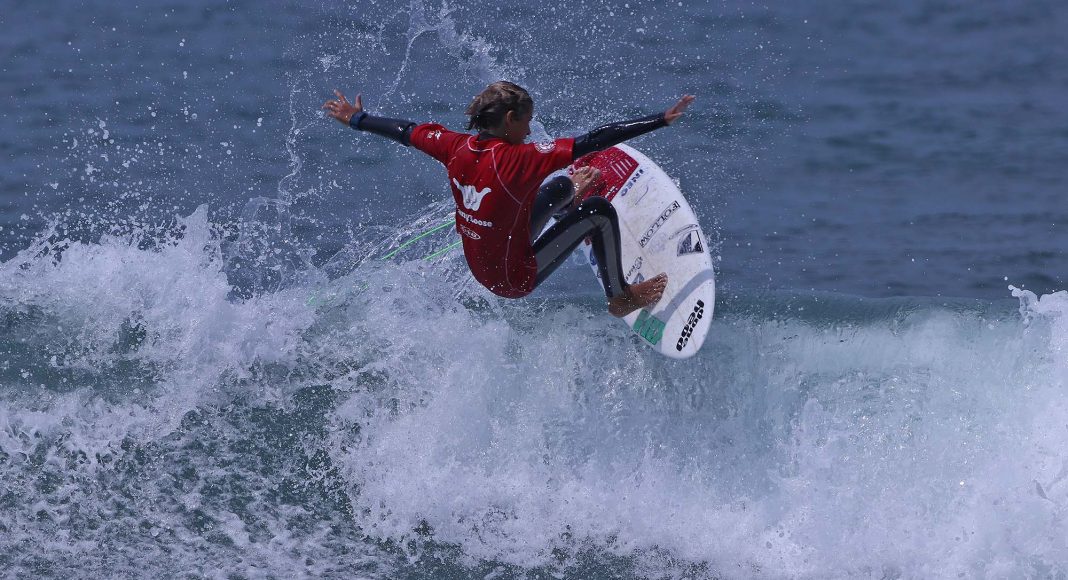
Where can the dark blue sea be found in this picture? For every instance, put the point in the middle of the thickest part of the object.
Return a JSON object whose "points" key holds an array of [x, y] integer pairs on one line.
{"points": [[214, 362]]}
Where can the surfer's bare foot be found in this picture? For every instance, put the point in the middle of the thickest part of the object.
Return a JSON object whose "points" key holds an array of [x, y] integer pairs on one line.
{"points": [[638, 296], [583, 178]]}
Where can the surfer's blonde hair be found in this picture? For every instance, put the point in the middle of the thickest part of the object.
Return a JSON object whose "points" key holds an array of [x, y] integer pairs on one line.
{"points": [[488, 108]]}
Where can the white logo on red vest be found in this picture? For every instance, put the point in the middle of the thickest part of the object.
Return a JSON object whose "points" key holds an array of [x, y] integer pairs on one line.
{"points": [[472, 197], [434, 134], [545, 146], [469, 232]]}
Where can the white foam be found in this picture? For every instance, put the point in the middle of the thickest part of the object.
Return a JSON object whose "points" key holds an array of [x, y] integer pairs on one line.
{"points": [[906, 449], [175, 298], [923, 443]]}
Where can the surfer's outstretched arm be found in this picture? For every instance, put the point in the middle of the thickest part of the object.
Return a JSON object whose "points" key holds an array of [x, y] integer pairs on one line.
{"points": [[615, 133], [353, 115]]}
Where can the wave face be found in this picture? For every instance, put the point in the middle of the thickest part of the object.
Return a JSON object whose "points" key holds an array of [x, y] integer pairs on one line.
{"points": [[388, 419]]}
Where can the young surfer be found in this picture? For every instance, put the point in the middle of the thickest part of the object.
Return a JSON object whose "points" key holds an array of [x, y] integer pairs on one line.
{"points": [[500, 208]]}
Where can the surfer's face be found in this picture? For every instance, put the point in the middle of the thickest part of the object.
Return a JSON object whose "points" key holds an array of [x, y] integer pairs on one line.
{"points": [[516, 127]]}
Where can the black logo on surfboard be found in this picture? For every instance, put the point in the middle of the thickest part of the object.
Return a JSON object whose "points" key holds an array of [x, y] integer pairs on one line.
{"points": [[655, 226], [691, 323], [690, 241]]}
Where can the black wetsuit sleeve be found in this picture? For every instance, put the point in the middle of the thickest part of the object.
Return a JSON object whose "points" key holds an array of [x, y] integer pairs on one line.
{"points": [[398, 130], [616, 133]]}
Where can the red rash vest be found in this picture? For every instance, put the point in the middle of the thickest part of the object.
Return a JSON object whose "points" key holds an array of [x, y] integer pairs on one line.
{"points": [[494, 184]]}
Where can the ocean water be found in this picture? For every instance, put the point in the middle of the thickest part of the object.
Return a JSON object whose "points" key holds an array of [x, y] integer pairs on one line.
{"points": [[213, 363]]}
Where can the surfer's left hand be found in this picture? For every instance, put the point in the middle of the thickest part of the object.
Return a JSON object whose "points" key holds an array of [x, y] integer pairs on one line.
{"points": [[672, 114], [342, 109]]}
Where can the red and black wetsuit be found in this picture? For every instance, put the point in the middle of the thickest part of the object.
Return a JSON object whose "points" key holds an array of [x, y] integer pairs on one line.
{"points": [[494, 184], [496, 189]]}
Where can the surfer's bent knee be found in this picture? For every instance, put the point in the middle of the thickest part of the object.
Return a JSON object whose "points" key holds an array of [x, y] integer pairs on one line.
{"points": [[597, 205]]}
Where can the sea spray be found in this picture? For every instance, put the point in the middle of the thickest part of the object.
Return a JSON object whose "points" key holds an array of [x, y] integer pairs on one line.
{"points": [[814, 435], [385, 418]]}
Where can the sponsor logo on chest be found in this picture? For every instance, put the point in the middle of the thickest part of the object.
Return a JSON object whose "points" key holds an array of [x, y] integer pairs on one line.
{"points": [[474, 220], [469, 232], [472, 197]]}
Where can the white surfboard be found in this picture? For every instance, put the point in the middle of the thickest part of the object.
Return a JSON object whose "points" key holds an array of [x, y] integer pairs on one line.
{"points": [[659, 233]]}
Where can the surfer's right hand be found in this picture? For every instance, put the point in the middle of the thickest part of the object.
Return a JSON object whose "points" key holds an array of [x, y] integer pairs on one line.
{"points": [[583, 179], [342, 109], [672, 114]]}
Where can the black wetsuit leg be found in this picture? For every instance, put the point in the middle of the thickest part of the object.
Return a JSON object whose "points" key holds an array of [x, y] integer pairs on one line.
{"points": [[597, 219], [551, 198]]}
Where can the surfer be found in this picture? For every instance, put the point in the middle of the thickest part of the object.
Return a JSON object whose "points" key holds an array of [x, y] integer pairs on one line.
{"points": [[500, 208]]}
